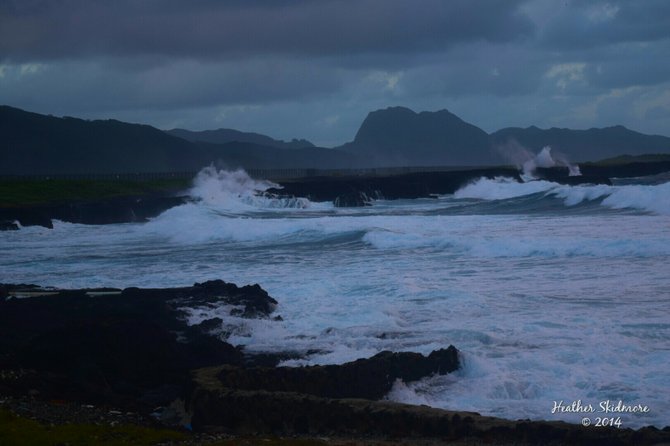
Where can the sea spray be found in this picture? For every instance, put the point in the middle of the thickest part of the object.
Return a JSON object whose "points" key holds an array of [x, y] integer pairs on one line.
{"points": [[220, 187], [501, 188], [545, 159], [647, 198], [236, 190], [527, 162], [566, 302]]}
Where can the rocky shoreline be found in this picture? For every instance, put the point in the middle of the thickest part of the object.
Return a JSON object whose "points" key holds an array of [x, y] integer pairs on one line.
{"points": [[356, 191], [147, 357], [345, 191], [127, 209]]}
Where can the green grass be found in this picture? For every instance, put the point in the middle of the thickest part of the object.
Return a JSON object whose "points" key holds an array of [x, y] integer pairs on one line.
{"points": [[15, 193], [17, 431]]}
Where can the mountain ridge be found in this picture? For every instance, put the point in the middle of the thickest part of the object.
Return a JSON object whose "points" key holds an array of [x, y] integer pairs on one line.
{"points": [[36, 144], [583, 145], [401, 136], [225, 135]]}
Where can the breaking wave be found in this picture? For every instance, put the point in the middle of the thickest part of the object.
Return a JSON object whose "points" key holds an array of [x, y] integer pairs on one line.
{"points": [[237, 191], [647, 198]]}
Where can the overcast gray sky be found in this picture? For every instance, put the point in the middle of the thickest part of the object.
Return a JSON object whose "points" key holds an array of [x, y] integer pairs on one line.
{"points": [[314, 68]]}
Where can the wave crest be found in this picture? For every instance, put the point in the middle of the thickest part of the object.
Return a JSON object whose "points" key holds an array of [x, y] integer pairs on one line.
{"points": [[236, 190], [647, 198]]}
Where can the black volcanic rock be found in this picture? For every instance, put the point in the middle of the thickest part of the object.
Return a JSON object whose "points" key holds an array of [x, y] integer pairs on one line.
{"points": [[561, 175], [397, 136], [582, 145], [8, 225], [358, 190], [116, 345], [370, 378], [626, 170], [223, 136], [106, 211], [217, 408]]}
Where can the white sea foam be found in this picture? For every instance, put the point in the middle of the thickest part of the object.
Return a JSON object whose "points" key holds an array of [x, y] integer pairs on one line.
{"points": [[454, 235], [650, 198], [544, 306], [237, 191], [501, 188]]}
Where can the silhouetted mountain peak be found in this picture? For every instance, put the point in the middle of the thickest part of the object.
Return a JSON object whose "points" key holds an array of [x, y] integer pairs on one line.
{"points": [[400, 136]]}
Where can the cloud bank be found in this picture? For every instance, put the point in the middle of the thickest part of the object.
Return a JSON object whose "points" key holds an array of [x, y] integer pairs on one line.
{"points": [[308, 68]]}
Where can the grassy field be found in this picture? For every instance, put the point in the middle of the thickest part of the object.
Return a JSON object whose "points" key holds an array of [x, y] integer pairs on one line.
{"points": [[15, 193], [18, 431]]}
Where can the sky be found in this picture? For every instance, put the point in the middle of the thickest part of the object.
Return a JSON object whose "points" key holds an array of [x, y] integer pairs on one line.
{"points": [[315, 68]]}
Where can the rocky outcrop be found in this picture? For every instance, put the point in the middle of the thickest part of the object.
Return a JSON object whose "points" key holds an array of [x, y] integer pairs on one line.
{"points": [[626, 170], [8, 225], [561, 175], [309, 400], [356, 191], [370, 378], [107, 211], [352, 191], [216, 408], [131, 346]]}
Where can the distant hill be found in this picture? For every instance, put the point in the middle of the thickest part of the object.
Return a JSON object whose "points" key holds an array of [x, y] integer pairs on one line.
{"points": [[35, 144], [584, 145], [38, 144], [397, 136], [247, 155], [223, 136]]}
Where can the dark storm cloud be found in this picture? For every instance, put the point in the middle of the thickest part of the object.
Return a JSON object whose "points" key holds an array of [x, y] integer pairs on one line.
{"points": [[85, 86], [630, 64], [315, 68], [479, 69], [577, 25], [31, 29]]}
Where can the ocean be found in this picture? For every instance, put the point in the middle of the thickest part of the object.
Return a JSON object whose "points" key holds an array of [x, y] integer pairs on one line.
{"points": [[555, 295]]}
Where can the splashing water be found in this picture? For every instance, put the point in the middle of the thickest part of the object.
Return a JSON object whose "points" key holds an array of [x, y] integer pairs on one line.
{"points": [[551, 292], [545, 159], [237, 191], [220, 187]]}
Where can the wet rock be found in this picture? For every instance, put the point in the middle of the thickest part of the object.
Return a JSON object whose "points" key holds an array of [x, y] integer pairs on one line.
{"points": [[117, 345], [359, 190], [105, 211], [561, 175], [370, 378], [208, 326], [352, 199], [8, 225], [253, 412]]}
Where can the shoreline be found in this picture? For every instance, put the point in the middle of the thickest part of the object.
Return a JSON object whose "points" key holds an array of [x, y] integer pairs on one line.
{"points": [[39, 207], [56, 347]]}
